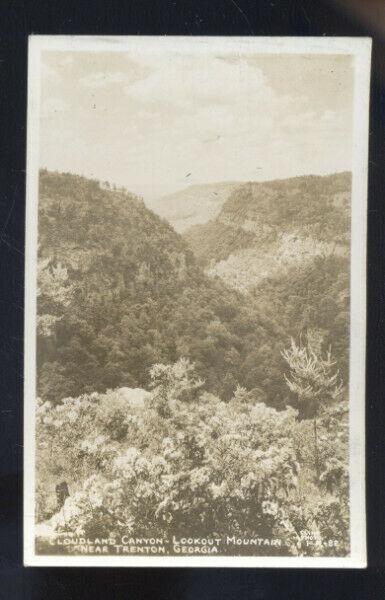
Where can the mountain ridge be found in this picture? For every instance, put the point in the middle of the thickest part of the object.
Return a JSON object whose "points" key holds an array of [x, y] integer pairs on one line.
{"points": [[283, 221], [194, 204], [285, 245]]}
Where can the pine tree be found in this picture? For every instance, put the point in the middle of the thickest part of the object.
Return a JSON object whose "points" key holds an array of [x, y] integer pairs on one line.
{"points": [[313, 381]]}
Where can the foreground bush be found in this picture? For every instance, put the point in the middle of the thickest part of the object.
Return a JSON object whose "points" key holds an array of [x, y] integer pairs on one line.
{"points": [[183, 462]]}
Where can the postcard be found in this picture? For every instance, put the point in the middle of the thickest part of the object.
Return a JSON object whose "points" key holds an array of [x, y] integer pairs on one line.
{"points": [[195, 301]]}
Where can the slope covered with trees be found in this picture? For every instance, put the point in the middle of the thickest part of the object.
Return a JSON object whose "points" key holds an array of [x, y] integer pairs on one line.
{"points": [[119, 291], [285, 244], [265, 215]]}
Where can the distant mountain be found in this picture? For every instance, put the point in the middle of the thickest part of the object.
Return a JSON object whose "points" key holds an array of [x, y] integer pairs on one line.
{"points": [[194, 205]]}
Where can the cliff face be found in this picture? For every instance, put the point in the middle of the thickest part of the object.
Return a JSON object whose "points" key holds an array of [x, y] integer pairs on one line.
{"points": [[264, 228], [285, 246]]}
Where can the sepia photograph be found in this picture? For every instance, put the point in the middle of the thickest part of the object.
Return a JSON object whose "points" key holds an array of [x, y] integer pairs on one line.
{"points": [[195, 301]]}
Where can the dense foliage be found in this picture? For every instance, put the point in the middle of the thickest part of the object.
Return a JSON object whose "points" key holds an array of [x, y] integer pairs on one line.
{"points": [[314, 297], [240, 425], [256, 214], [215, 241], [119, 291], [285, 243], [186, 463]]}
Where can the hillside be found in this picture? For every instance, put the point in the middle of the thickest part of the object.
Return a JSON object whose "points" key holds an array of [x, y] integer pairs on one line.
{"points": [[285, 244], [194, 205], [119, 291], [264, 227]]}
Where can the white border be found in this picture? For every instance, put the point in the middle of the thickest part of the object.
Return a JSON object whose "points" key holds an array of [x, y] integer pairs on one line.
{"points": [[360, 50]]}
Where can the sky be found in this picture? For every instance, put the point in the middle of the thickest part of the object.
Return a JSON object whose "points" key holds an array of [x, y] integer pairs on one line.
{"points": [[159, 122]]}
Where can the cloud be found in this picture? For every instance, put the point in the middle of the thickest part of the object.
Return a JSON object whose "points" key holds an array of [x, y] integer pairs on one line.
{"points": [[189, 82], [206, 98], [146, 124]]}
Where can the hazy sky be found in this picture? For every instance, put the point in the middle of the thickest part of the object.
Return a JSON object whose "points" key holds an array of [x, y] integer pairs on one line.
{"points": [[147, 122]]}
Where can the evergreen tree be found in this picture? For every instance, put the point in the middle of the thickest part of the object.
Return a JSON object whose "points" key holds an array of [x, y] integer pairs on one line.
{"points": [[313, 379]]}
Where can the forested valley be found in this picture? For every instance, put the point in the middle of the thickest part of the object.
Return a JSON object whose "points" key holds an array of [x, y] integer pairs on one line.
{"points": [[195, 382]]}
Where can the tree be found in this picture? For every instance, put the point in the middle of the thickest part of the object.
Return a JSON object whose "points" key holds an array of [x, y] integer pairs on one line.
{"points": [[173, 382], [54, 293], [120, 294], [313, 381]]}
